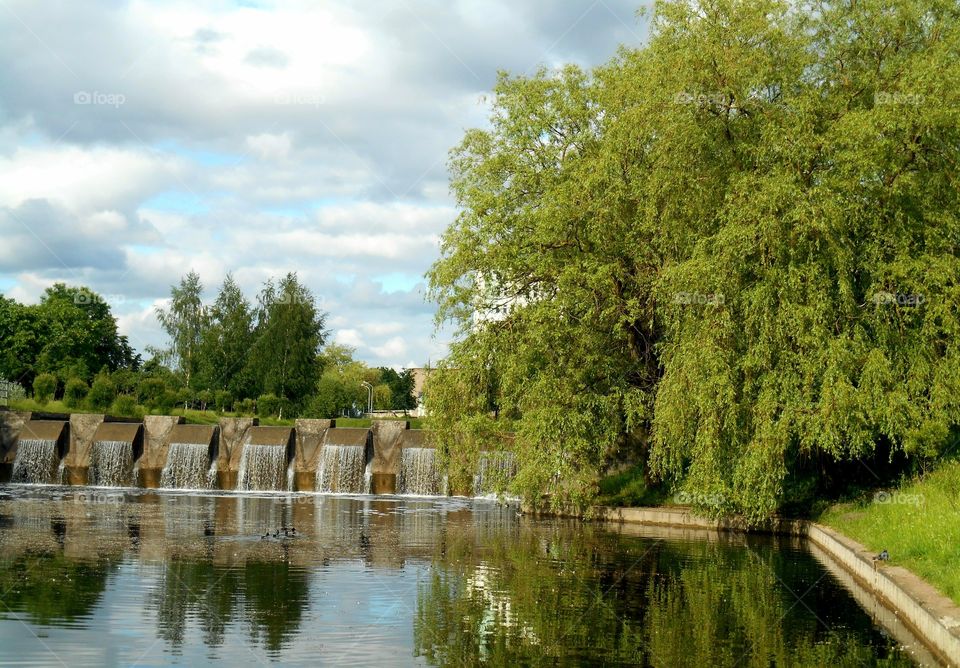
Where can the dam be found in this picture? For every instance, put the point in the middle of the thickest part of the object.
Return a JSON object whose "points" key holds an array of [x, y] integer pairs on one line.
{"points": [[161, 452]]}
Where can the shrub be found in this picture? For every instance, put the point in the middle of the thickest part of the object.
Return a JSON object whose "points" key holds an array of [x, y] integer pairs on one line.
{"points": [[75, 392], [151, 392], [167, 400], [125, 405], [102, 393], [205, 397], [44, 387], [270, 405], [185, 397], [246, 406], [223, 400]]}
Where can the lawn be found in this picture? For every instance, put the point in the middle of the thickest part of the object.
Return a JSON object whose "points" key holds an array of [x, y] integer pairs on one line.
{"points": [[918, 523]]}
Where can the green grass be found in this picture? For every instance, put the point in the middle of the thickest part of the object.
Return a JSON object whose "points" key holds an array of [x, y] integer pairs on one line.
{"points": [[628, 488], [919, 524]]}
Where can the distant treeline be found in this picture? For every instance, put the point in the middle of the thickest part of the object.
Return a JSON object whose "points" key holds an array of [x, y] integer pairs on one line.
{"points": [[267, 357]]}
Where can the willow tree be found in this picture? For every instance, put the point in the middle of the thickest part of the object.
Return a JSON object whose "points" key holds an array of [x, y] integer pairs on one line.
{"points": [[728, 250]]}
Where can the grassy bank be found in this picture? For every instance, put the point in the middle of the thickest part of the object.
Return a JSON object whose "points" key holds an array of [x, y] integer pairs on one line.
{"points": [[191, 416], [918, 523]]}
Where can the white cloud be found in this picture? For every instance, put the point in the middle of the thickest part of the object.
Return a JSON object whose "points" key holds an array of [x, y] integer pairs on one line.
{"points": [[287, 136]]}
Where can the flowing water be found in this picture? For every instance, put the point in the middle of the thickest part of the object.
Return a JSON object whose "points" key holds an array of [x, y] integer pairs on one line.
{"points": [[263, 467], [149, 578], [111, 464], [494, 471], [343, 469], [419, 474], [36, 462], [188, 467]]}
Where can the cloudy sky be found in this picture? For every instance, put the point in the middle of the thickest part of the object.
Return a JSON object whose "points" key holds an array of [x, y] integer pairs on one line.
{"points": [[140, 140]]}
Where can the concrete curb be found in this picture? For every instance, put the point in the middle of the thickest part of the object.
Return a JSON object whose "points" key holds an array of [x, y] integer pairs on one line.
{"points": [[929, 615]]}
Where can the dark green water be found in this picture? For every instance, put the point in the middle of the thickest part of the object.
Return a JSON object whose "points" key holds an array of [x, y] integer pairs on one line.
{"points": [[138, 578]]}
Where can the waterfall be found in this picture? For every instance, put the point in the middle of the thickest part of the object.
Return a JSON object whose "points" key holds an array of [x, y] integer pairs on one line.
{"points": [[344, 469], [36, 461], [111, 464], [494, 470], [187, 467], [291, 473], [263, 467], [419, 473]]}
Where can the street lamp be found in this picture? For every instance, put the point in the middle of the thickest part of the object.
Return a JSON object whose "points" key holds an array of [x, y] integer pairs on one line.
{"points": [[369, 396]]}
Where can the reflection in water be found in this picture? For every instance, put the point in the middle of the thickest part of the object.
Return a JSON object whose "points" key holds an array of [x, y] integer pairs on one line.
{"points": [[160, 577]]}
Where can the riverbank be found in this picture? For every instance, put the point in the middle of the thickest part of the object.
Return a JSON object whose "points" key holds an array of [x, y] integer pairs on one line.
{"points": [[926, 612], [918, 523]]}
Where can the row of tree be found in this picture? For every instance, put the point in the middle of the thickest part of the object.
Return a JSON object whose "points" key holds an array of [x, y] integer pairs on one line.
{"points": [[266, 357], [733, 254]]}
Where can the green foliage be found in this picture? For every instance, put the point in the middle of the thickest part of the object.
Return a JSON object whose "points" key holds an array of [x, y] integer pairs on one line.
{"points": [[125, 405], [401, 388], [74, 392], [71, 332], [151, 392], [732, 248], [288, 336], [223, 401], [44, 387], [102, 392], [184, 320], [270, 405], [225, 343]]}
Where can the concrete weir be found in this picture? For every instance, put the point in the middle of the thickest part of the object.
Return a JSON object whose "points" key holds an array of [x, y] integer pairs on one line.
{"points": [[191, 457], [345, 460], [36, 455], [264, 458], [112, 455]]}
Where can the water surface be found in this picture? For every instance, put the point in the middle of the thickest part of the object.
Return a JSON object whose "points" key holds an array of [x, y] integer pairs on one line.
{"points": [[106, 577]]}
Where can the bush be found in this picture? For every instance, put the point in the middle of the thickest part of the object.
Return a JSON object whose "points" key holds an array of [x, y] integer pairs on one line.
{"points": [[185, 397], [14, 390], [223, 400], [270, 405], [102, 393], [125, 405], [205, 397], [167, 401], [151, 392], [75, 392], [246, 406], [44, 387]]}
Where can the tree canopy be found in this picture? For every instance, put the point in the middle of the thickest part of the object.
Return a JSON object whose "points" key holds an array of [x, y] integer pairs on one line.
{"points": [[725, 252]]}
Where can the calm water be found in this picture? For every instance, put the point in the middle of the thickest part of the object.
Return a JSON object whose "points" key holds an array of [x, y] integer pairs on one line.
{"points": [[113, 578]]}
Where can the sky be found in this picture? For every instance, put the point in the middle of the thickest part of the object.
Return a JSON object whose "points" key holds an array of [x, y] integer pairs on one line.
{"points": [[141, 140]]}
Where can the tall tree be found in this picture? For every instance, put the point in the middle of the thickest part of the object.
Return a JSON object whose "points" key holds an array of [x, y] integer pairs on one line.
{"points": [[288, 336], [70, 333], [183, 321], [225, 343], [735, 248]]}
